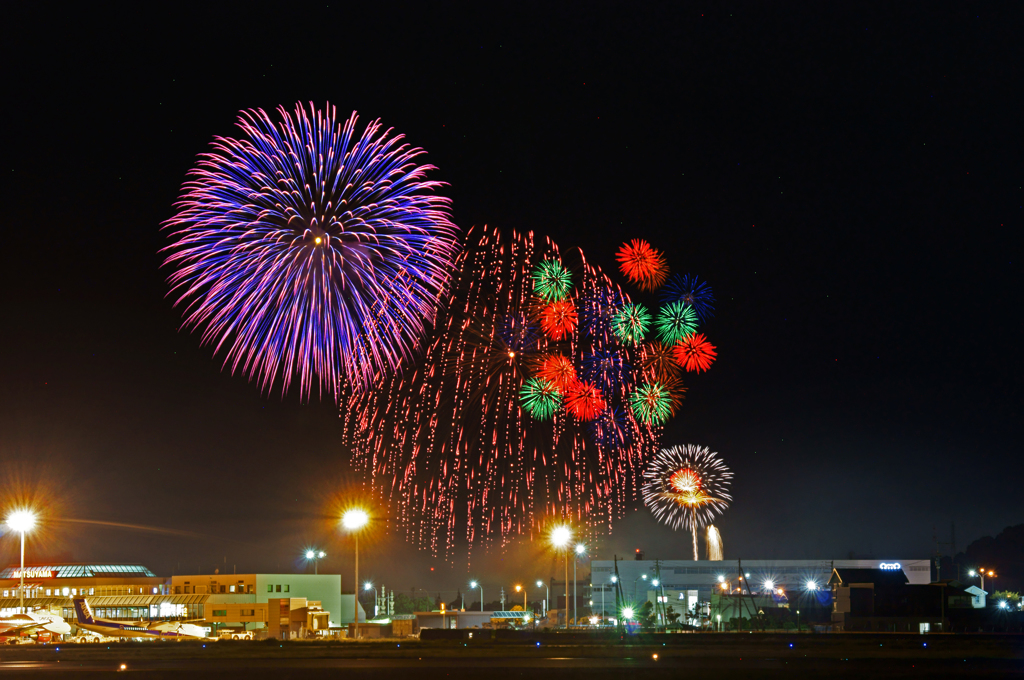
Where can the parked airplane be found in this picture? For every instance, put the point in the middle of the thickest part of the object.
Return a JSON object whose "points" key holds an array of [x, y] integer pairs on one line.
{"points": [[161, 629], [32, 623]]}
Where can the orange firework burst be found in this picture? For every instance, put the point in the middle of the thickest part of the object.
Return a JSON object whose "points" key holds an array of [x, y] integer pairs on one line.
{"points": [[584, 400], [695, 353], [642, 264], [676, 392], [686, 484], [659, 360], [558, 319], [558, 370]]}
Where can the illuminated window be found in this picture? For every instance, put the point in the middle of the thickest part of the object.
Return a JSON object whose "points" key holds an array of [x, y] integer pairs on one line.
{"points": [[48, 590], [286, 588], [231, 589], [270, 589], [220, 612], [91, 590]]}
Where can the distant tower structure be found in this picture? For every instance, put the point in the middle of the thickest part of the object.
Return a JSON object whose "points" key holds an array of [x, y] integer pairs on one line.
{"points": [[714, 542]]}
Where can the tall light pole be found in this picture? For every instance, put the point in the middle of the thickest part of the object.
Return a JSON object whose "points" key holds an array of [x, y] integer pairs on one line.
{"points": [[520, 589], [547, 596], [315, 556], [22, 521], [561, 537], [376, 596], [354, 520], [641, 576], [580, 549], [474, 584]]}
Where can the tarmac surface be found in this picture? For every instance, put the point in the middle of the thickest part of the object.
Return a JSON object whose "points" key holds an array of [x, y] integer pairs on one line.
{"points": [[720, 657]]}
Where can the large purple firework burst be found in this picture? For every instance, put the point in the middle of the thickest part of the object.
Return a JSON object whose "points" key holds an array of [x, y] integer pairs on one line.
{"points": [[311, 251]]}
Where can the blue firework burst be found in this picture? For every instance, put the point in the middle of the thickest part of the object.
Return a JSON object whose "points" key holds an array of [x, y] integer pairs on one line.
{"points": [[691, 291], [310, 251], [606, 368]]}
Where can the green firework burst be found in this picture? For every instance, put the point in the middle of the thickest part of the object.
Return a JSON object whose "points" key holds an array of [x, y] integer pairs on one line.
{"points": [[675, 322], [551, 281], [651, 403], [540, 398], [631, 323]]}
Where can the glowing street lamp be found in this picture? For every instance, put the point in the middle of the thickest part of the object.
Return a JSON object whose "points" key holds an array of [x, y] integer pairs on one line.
{"points": [[474, 584], [547, 595], [561, 537], [580, 550], [354, 520], [22, 521], [376, 596], [812, 585], [520, 589], [627, 613], [315, 556]]}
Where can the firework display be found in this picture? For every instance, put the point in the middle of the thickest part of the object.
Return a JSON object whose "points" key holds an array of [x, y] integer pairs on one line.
{"points": [[502, 424], [643, 265], [676, 321], [558, 320], [694, 353], [692, 292], [540, 398], [631, 322], [686, 486], [551, 280], [311, 251], [651, 403]]}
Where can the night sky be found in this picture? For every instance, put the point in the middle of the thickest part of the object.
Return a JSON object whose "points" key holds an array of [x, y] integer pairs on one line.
{"points": [[848, 179]]}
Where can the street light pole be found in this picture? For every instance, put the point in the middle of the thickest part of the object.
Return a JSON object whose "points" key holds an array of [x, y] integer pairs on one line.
{"points": [[22, 521], [547, 596], [354, 520], [474, 584]]}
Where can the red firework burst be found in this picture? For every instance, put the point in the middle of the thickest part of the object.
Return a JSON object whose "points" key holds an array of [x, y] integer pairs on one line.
{"points": [[584, 400], [557, 370], [659, 361], [695, 353], [558, 319], [642, 264]]}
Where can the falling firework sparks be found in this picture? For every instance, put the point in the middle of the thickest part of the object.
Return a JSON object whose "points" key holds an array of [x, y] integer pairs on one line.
{"points": [[686, 486], [309, 251], [454, 447]]}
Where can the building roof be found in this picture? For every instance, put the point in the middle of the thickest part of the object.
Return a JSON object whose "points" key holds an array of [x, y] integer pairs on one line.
{"points": [[79, 570], [878, 577]]}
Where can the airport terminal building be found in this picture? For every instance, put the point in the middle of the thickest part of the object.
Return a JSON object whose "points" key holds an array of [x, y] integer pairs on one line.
{"points": [[687, 582], [131, 592]]}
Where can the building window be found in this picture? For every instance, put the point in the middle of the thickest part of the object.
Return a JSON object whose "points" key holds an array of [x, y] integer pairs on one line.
{"points": [[222, 589], [286, 588], [177, 590], [247, 612], [231, 589], [270, 589], [278, 588], [220, 612]]}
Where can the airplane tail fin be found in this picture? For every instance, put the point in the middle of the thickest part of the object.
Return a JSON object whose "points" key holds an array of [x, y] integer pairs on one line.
{"points": [[83, 611]]}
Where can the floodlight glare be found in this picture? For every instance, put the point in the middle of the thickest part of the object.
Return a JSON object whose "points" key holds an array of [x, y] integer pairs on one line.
{"points": [[615, 579], [472, 584], [769, 585], [321, 554], [560, 536], [310, 555], [811, 585], [627, 613], [580, 548], [654, 583], [721, 579], [540, 583], [354, 519], [367, 586], [21, 521]]}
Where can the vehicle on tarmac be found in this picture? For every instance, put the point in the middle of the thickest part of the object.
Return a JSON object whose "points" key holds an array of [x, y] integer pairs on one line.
{"points": [[228, 634]]}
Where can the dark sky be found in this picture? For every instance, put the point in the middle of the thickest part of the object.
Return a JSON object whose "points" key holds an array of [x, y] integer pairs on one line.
{"points": [[848, 178]]}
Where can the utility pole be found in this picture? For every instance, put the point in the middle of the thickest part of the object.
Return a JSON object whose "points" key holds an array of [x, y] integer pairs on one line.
{"points": [[503, 598]]}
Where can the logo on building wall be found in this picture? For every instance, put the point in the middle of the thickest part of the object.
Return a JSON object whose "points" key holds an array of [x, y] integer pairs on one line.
{"points": [[890, 566], [34, 573]]}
